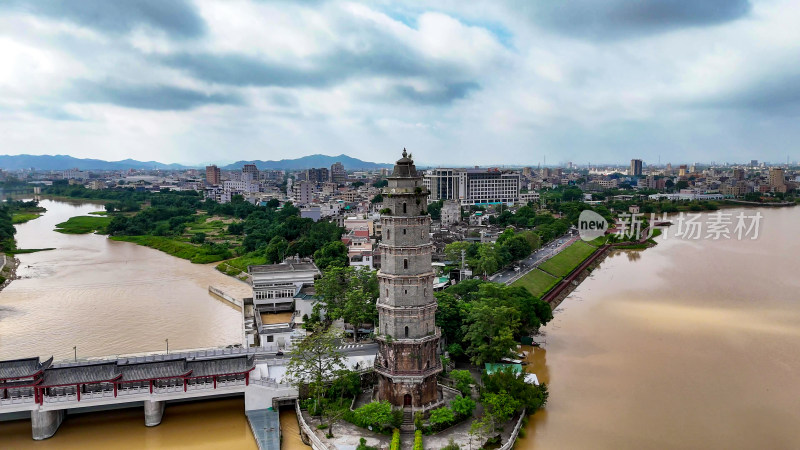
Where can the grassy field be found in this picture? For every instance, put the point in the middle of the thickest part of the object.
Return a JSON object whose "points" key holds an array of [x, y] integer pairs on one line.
{"points": [[83, 225], [537, 282], [99, 213], [197, 254], [22, 217], [237, 265], [570, 258]]}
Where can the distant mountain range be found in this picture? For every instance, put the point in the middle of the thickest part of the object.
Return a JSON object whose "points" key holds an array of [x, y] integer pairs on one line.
{"points": [[64, 162], [307, 162]]}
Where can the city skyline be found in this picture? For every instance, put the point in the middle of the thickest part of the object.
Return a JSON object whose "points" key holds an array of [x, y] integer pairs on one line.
{"points": [[496, 83]]}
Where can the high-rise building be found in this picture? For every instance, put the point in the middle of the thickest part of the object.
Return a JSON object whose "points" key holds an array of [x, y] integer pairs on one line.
{"points": [[473, 186], [249, 172], [777, 181], [407, 362], [317, 175], [738, 174], [303, 192], [682, 170], [636, 168], [213, 175], [338, 174]]}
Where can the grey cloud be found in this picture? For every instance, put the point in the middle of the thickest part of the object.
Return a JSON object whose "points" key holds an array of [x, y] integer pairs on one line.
{"points": [[775, 93], [155, 97], [176, 17], [616, 19], [238, 70], [447, 94]]}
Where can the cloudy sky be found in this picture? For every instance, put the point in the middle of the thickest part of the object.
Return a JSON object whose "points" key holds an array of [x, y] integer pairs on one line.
{"points": [[479, 82]]}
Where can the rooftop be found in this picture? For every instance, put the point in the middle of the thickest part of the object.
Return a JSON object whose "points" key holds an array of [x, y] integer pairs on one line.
{"points": [[22, 368]]}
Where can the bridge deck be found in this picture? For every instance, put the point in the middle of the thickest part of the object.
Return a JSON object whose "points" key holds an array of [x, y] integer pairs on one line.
{"points": [[266, 426]]}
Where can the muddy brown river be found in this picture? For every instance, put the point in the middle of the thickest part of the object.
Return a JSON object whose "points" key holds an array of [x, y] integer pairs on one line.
{"points": [[690, 344]]}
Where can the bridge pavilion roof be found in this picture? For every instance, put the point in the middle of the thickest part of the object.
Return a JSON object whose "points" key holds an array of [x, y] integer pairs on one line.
{"points": [[83, 374], [154, 370], [22, 368], [221, 366]]}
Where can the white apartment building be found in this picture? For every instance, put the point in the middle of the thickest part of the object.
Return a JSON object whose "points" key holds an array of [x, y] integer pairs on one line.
{"points": [[473, 186]]}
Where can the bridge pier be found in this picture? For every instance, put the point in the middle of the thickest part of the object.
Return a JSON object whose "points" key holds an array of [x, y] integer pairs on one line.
{"points": [[153, 412], [44, 424]]}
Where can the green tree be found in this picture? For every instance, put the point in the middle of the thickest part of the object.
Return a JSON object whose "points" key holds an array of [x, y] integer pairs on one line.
{"points": [[530, 396], [348, 293], [376, 414], [316, 362], [452, 251], [440, 418], [276, 249], [498, 407], [463, 406], [463, 380], [331, 254], [490, 333], [198, 238]]}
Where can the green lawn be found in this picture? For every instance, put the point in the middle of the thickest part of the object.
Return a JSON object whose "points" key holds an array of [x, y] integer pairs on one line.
{"points": [[83, 225], [570, 258], [22, 217], [99, 213], [237, 265], [197, 254], [537, 282]]}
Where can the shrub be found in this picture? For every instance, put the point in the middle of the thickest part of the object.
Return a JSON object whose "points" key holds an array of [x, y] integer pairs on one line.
{"points": [[463, 406], [451, 445], [418, 420], [463, 380], [395, 445], [362, 445], [418, 440], [441, 417], [376, 414]]}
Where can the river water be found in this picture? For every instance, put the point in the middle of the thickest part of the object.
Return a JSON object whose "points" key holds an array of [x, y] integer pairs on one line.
{"points": [[108, 297], [690, 344]]}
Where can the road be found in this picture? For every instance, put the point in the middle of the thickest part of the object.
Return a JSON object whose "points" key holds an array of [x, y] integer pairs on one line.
{"points": [[507, 276]]}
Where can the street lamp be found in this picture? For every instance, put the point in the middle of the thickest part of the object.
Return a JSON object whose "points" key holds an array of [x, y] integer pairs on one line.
{"points": [[167, 341], [75, 349]]}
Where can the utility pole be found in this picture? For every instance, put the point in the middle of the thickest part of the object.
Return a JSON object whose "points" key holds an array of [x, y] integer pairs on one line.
{"points": [[167, 341], [75, 349]]}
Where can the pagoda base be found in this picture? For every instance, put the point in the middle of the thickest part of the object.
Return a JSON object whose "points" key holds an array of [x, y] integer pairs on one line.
{"points": [[406, 392]]}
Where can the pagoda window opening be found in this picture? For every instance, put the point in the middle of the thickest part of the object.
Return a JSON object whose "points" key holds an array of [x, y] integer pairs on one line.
{"points": [[404, 207], [405, 263], [406, 331]]}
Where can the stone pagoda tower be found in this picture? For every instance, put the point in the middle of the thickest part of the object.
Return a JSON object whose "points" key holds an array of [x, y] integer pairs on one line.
{"points": [[407, 361]]}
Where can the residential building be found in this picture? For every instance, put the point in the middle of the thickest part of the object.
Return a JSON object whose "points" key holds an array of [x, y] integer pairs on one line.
{"points": [[636, 168], [473, 186], [338, 173], [213, 175], [249, 172], [275, 285]]}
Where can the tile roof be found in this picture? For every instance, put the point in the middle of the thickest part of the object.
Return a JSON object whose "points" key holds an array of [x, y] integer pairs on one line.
{"points": [[152, 370], [222, 366], [92, 373], [22, 368]]}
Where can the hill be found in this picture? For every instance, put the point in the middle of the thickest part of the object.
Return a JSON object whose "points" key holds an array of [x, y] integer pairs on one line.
{"points": [[307, 162], [64, 162]]}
